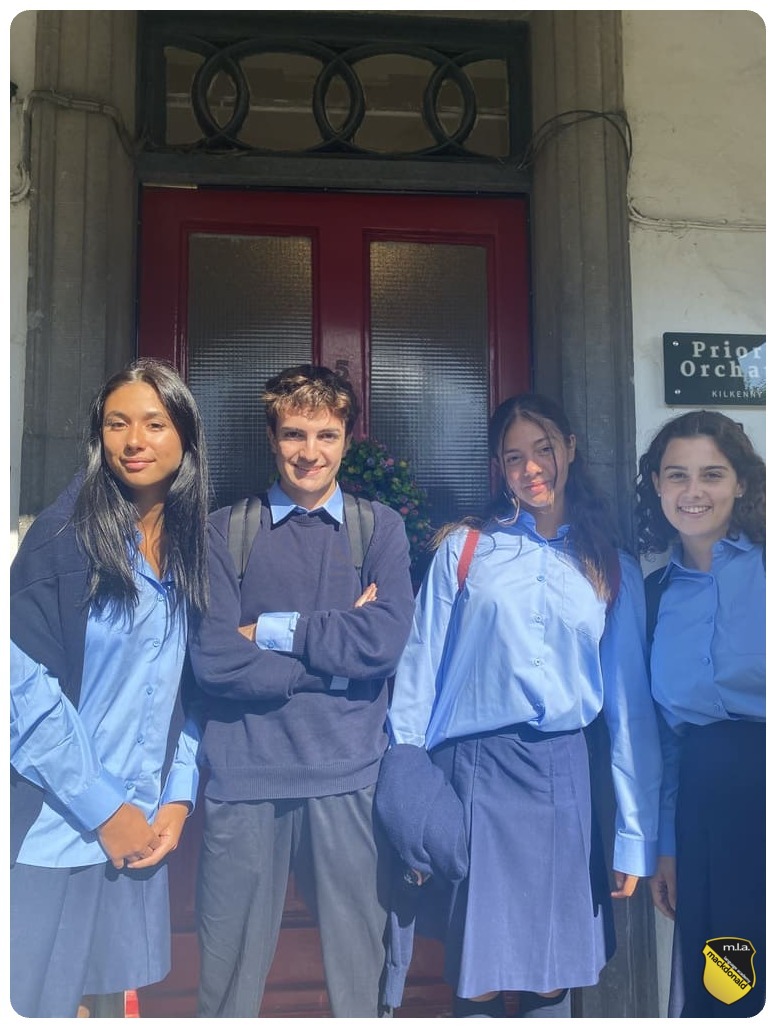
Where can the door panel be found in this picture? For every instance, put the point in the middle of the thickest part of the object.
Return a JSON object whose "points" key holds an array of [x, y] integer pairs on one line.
{"points": [[423, 302]]}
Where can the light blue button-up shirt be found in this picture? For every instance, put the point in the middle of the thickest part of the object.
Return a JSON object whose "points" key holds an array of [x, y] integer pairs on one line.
{"points": [[708, 654], [528, 641], [275, 629], [111, 749]]}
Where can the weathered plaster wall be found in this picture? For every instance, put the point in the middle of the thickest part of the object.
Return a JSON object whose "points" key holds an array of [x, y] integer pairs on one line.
{"points": [[694, 84]]}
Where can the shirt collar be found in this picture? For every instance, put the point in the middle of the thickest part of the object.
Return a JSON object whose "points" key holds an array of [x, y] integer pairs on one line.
{"points": [[742, 543], [527, 522], [282, 507]]}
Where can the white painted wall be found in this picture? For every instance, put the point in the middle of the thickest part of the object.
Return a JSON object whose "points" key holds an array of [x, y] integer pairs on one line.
{"points": [[694, 86], [695, 97], [22, 69]]}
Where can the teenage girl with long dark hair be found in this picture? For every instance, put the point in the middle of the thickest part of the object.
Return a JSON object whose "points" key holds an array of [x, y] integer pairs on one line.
{"points": [[498, 681], [103, 769]]}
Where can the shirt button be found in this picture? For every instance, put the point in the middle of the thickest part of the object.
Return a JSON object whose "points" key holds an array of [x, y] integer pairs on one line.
{"points": [[141, 740], [706, 660], [149, 690], [271, 644], [540, 578], [537, 661], [128, 786], [538, 618], [156, 643]]}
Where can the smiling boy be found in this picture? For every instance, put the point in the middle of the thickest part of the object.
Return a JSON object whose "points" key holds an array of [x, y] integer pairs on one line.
{"points": [[294, 663]]}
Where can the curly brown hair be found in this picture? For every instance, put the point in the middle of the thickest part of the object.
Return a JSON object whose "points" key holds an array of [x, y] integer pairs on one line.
{"points": [[308, 387], [655, 532]]}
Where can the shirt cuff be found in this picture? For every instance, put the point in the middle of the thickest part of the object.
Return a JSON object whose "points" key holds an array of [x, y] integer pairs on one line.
{"points": [[275, 631], [98, 801], [634, 856], [181, 786]]}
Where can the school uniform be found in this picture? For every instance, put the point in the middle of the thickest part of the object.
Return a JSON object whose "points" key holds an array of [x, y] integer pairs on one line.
{"points": [[293, 739], [498, 683], [708, 677], [96, 721]]}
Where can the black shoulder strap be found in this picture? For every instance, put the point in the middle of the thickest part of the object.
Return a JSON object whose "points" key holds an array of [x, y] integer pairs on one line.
{"points": [[244, 521], [654, 587], [360, 523], [614, 577]]}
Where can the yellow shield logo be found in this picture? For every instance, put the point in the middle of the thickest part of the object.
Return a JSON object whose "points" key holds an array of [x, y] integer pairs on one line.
{"points": [[729, 971]]}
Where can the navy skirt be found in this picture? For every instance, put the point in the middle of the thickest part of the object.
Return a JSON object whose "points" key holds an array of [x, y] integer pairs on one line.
{"points": [[720, 861], [527, 917], [85, 931]]}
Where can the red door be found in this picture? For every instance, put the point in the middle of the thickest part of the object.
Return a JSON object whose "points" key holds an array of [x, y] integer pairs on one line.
{"points": [[423, 301]]}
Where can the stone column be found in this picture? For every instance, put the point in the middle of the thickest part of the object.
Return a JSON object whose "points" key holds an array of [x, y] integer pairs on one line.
{"points": [[582, 326], [584, 357], [82, 236]]}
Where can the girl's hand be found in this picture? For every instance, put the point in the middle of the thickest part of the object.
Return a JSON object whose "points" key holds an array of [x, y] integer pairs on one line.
{"points": [[624, 885], [127, 836], [168, 825], [662, 885]]}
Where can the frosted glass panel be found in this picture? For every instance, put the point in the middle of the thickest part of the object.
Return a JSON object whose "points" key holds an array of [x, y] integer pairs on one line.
{"points": [[429, 367], [250, 315]]}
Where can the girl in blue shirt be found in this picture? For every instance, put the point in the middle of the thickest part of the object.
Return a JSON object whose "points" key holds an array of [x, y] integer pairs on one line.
{"points": [[103, 766], [498, 681], [701, 490]]}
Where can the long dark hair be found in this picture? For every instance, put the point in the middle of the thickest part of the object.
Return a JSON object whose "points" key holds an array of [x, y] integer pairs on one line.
{"points": [[105, 517], [592, 535], [655, 531]]}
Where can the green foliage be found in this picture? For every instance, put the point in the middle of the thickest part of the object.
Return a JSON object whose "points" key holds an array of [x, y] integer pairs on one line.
{"points": [[369, 470]]}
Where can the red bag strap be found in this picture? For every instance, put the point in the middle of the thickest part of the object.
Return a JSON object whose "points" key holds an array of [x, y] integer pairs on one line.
{"points": [[467, 553]]}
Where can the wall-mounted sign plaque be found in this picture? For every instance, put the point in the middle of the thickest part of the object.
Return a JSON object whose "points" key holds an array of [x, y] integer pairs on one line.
{"points": [[713, 369]]}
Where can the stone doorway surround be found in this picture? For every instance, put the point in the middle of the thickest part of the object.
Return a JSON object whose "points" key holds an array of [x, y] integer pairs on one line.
{"points": [[83, 193]]}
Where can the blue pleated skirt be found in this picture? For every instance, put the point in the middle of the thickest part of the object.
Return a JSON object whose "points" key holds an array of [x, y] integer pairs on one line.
{"points": [[85, 931], [534, 912]]}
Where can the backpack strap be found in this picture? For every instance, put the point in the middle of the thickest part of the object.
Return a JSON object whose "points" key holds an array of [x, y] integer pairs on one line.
{"points": [[360, 524], [464, 561], [654, 587], [614, 577], [244, 521]]}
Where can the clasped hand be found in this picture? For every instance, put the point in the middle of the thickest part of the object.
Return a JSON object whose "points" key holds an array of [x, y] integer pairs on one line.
{"points": [[129, 840]]}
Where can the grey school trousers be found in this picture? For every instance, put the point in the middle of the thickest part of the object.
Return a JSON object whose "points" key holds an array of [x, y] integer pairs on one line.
{"points": [[341, 862]]}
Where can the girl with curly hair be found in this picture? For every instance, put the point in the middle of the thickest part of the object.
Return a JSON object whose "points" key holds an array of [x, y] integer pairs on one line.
{"points": [[701, 491]]}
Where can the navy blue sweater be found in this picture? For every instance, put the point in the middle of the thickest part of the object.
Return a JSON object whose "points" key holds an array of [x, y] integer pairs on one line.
{"points": [[274, 729]]}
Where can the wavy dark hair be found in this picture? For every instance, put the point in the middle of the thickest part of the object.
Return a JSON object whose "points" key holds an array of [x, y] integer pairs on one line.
{"points": [[105, 517], [593, 536], [655, 531]]}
